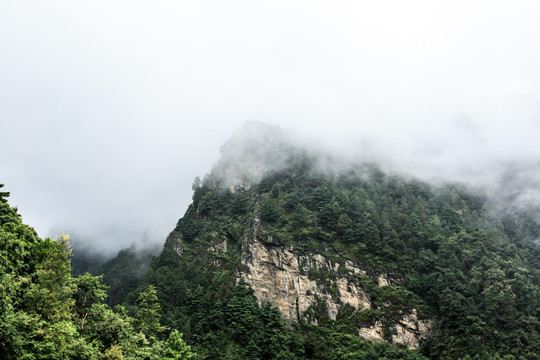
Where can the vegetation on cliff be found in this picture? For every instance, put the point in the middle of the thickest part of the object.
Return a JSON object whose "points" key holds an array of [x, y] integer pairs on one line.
{"points": [[474, 272]]}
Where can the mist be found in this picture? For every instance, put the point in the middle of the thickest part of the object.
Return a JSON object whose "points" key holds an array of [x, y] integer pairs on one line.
{"points": [[109, 110]]}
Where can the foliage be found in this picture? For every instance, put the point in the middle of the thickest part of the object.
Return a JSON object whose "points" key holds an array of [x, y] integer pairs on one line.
{"points": [[176, 349], [45, 313], [473, 271], [475, 274], [149, 313]]}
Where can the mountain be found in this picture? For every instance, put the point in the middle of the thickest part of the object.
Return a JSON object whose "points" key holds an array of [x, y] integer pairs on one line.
{"points": [[289, 252], [121, 274]]}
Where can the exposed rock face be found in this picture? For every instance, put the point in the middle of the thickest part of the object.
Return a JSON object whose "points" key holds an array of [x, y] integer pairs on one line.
{"points": [[174, 242], [408, 331], [245, 186], [288, 279], [279, 275]]}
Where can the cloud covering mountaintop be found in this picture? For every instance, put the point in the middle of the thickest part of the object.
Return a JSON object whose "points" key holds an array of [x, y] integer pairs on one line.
{"points": [[108, 110]]}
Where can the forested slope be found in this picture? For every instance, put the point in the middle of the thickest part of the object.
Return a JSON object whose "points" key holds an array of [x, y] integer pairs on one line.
{"points": [[471, 271]]}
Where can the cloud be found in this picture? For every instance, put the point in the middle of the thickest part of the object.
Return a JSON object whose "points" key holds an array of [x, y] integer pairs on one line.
{"points": [[108, 110]]}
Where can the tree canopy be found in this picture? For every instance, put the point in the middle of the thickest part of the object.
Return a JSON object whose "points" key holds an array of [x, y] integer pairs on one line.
{"points": [[45, 313]]}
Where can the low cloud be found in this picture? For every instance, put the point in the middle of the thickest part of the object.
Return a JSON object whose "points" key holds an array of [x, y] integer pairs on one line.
{"points": [[108, 111]]}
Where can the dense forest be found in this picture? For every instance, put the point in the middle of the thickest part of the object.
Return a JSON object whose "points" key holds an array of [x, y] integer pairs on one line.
{"points": [[470, 269], [474, 272], [450, 255], [46, 313]]}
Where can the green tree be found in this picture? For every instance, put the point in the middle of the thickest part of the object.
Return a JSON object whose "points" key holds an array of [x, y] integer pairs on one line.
{"points": [[240, 204], [148, 314], [45, 313], [90, 290], [270, 212], [175, 348], [51, 292]]}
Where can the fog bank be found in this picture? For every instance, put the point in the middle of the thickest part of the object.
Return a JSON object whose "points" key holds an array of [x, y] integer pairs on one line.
{"points": [[109, 110]]}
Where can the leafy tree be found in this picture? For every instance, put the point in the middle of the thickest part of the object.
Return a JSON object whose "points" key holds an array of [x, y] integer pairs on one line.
{"points": [[240, 204], [270, 212], [148, 314], [90, 291], [176, 349], [45, 313]]}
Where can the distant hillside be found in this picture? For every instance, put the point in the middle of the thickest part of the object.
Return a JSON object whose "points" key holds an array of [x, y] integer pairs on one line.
{"points": [[121, 274]]}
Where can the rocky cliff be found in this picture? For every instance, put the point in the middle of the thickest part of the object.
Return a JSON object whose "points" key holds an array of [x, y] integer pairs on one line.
{"points": [[279, 275], [297, 281]]}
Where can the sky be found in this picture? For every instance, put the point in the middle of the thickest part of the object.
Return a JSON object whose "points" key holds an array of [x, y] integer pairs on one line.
{"points": [[110, 109]]}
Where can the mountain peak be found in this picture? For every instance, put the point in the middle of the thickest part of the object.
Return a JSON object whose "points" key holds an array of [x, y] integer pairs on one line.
{"points": [[255, 149]]}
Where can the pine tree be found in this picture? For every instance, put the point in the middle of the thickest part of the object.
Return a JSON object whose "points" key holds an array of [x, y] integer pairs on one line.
{"points": [[175, 348], [148, 314]]}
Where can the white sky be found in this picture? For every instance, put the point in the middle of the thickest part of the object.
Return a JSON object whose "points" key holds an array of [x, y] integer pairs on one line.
{"points": [[109, 109]]}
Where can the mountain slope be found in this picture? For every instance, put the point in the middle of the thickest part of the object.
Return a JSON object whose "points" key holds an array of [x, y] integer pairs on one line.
{"points": [[344, 251]]}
